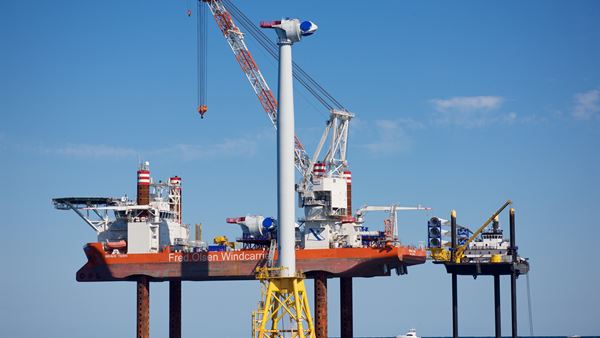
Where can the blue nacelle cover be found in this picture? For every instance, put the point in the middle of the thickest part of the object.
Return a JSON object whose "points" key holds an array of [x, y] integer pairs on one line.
{"points": [[307, 28]]}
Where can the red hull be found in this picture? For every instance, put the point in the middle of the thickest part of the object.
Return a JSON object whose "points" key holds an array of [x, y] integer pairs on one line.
{"points": [[240, 265]]}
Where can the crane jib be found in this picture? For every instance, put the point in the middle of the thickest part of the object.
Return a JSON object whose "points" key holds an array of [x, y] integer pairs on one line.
{"points": [[248, 65]]}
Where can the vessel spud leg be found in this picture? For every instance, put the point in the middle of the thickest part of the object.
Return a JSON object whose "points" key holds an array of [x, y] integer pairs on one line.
{"points": [[175, 309], [497, 311], [454, 306], [143, 307], [321, 305], [513, 276], [346, 307]]}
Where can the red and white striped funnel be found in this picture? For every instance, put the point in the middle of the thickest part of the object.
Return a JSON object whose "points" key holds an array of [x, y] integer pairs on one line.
{"points": [[143, 184]]}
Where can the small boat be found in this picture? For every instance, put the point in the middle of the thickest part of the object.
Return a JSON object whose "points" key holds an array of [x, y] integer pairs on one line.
{"points": [[412, 333]]}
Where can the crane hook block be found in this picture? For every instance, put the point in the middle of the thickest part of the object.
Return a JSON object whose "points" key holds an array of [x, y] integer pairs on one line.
{"points": [[202, 110], [189, 12]]}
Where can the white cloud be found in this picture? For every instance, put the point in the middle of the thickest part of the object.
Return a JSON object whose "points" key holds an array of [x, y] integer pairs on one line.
{"points": [[468, 103], [392, 136], [586, 105], [471, 111], [243, 146], [408, 123], [228, 147], [92, 150]]}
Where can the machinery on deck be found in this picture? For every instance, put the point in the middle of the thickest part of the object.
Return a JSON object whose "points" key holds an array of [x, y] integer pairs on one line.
{"points": [[481, 253], [482, 246], [390, 233], [257, 231]]}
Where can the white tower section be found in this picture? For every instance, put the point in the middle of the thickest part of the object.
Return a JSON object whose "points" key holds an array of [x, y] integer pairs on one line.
{"points": [[175, 198], [288, 32]]}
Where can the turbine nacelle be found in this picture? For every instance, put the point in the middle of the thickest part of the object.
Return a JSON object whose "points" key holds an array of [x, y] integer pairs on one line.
{"points": [[254, 225], [291, 30]]}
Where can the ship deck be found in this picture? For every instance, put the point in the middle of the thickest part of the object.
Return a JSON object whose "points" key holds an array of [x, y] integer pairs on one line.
{"points": [[241, 264]]}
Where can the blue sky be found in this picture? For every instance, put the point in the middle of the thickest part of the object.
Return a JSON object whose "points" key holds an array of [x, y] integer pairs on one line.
{"points": [[460, 105]]}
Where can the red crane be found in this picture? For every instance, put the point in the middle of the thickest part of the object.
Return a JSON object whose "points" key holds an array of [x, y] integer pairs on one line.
{"points": [[235, 39]]}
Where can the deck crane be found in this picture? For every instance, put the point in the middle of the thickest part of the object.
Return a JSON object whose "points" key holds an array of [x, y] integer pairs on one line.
{"points": [[223, 12], [235, 39], [325, 189], [391, 222], [444, 254]]}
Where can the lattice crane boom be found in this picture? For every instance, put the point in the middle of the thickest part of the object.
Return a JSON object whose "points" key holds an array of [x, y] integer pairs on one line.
{"points": [[235, 39]]}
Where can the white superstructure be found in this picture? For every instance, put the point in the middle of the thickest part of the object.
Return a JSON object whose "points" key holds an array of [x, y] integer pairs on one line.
{"points": [[145, 226], [491, 243]]}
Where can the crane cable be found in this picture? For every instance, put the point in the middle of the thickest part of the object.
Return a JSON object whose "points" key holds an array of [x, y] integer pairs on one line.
{"points": [[311, 85], [529, 305], [188, 10], [201, 22], [301, 76], [264, 41]]}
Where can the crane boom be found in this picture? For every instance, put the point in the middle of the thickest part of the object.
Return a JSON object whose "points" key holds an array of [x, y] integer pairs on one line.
{"points": [[392, 221], [235, 39], [461, 249]]}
